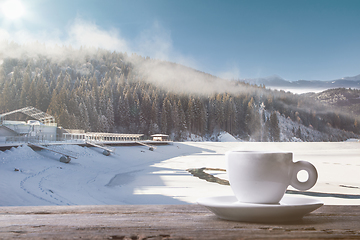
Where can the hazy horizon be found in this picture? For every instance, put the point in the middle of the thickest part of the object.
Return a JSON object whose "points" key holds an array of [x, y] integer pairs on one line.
{"points": [[311, 40]]}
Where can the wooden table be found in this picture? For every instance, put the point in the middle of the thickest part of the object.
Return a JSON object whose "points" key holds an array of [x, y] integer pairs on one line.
{"points": [[167, 222]]}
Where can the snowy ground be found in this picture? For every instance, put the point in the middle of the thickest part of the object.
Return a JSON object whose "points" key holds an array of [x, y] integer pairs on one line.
{"points": [[135, 175]]}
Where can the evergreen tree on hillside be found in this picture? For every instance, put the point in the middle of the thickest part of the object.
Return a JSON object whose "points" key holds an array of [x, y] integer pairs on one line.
{"points": [[166, 118], [252, 120], [31, 99], [105, 91], [182, 120], [154, 126], [230, 115], [24, 95], [123, 113], [274, 128], [84, 116], [190, 114], [219, 112], [42, 95]]}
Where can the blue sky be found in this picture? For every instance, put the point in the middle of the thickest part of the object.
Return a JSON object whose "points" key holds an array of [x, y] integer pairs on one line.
{"points": [[312, 40]]}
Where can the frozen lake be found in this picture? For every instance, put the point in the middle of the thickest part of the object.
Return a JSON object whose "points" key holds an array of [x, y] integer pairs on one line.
{"points": [[135, 175]]}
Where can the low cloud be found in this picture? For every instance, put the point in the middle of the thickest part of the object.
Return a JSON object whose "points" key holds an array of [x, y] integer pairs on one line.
{"points": [[84, 33], [232, 73], [79, 34], [155, 42]]}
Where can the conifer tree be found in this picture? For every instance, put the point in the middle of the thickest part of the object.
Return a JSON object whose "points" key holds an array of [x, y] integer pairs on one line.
{"points": [[84, 116], [190, 115], [124, 114], [274, 127], [103, 123], [298, 133], [145, 113], [154, 125], [166, 118], [219, 112], [31, 99], [110, 115], [24, 90], [230, 115], [252, 119], [42, 94], [182, 120]]}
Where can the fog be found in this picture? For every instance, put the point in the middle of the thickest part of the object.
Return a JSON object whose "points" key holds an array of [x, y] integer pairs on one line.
{"points": [[84, 38], [181, 79]]}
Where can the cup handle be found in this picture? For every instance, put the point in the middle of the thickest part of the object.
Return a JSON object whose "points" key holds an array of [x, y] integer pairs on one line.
{"points": [[311, 170]]}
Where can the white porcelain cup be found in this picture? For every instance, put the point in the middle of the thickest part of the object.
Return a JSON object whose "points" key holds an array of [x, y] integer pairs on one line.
{"points": [[263, 177]]}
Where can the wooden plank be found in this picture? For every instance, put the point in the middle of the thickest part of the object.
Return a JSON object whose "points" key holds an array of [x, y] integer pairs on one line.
{"points": [[167, 222]]}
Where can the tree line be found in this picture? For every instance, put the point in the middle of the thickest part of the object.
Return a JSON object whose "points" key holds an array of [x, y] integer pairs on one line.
{"points": [[104, 92]]}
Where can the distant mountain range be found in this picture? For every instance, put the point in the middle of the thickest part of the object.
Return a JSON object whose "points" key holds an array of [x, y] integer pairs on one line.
{"points": [[278, 82]]}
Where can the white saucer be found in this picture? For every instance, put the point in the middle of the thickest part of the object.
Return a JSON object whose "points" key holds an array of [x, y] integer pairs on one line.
{"points": [[290, 208]]}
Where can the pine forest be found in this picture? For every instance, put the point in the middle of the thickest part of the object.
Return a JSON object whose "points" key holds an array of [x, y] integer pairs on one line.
{"points": [[102, 91]]}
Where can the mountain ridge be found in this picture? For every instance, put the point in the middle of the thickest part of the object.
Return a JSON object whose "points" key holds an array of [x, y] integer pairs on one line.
{"points": [[278, 82], [106, 91]]}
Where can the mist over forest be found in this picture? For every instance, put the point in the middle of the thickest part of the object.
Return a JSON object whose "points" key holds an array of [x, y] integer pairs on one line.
{"points": [[102, 91]]}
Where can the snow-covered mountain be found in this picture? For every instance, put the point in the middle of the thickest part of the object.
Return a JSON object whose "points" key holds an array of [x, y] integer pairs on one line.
{"points": [[354, 78], [280, 83], [103, 91]]}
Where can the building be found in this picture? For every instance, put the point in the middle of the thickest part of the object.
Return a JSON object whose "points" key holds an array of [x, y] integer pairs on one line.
{"points": [[72, 134], [160, 137], [40, 128]]}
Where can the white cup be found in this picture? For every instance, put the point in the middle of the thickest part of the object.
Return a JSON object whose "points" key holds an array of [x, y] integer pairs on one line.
{"points": [[263, 177]]}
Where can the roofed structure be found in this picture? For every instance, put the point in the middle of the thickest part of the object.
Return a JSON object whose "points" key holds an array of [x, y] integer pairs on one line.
{"points": [[32, 112], [160, 137], [113, 136], [100, 136]]}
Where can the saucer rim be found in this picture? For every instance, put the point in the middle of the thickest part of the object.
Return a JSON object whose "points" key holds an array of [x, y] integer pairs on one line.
{"points": [[261, 213], [234, 203]]}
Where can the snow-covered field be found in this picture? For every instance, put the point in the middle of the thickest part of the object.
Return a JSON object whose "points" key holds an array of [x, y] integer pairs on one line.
{"points": [[135, 175]]}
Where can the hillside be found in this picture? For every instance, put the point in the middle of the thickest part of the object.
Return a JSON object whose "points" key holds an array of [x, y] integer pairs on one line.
{"points": [[346, 99], [98, 90]]}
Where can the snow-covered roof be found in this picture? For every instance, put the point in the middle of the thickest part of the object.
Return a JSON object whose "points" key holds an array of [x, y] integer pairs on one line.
{"points": [[9, 122], [159, 135], [113, 134], [34, 122]]}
